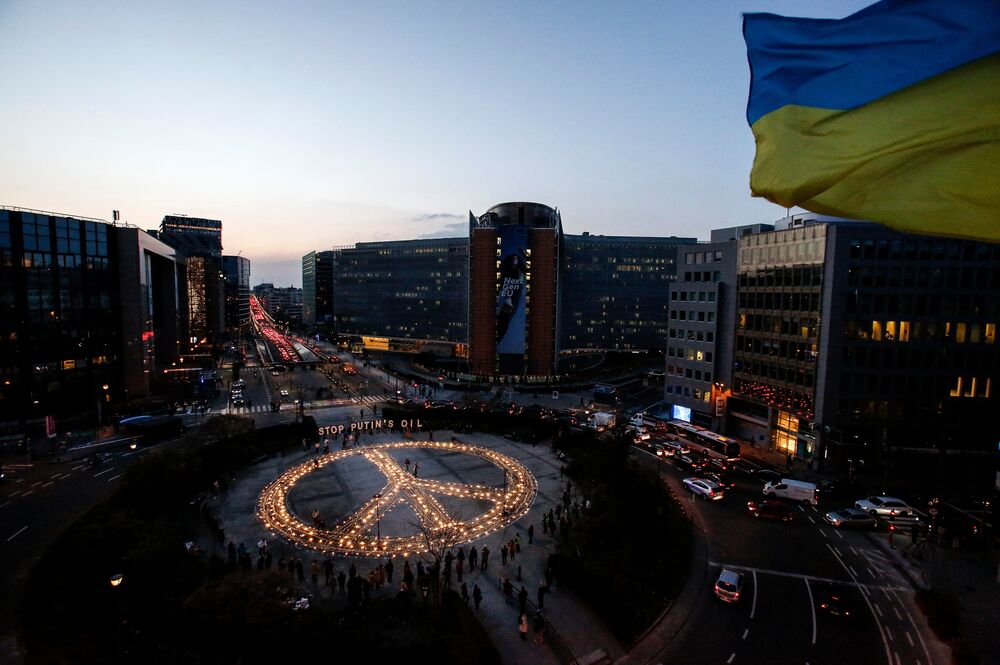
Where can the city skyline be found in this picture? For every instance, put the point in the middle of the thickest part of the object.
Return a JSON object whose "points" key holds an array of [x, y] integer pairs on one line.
{"points": [[388, 123]]}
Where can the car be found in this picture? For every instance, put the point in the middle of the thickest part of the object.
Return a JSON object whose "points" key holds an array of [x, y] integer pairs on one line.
{"points": [[723, 480], [850, 518], [884, 506], [720, 465], [729, 585], [275, 372], [833, 489], [834, 602], [689, 462], [771, 509], [662, 450], [706, 489], [239, 401], [767, 475], [442, 404], [283, 392], [676, 446]]}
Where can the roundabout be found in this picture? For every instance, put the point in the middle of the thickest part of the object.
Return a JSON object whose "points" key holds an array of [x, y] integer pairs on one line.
{"points": [[358, 533]]}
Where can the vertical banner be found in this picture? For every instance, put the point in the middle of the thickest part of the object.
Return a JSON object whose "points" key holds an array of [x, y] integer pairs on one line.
{"points": [[50, 427], [511, 319]]}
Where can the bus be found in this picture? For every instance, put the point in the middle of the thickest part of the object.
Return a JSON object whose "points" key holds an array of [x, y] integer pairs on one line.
{"points": [[706, 442]]}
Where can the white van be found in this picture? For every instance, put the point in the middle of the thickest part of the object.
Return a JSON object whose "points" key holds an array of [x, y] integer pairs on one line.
{"points": [[796, 490]]}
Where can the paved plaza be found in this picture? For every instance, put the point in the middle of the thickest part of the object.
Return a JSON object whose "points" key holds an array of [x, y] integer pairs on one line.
{"points": [[343, 488]]}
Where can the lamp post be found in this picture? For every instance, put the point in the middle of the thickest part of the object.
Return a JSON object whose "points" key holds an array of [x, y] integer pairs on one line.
{"points": [[378, 520], [116, 582]]}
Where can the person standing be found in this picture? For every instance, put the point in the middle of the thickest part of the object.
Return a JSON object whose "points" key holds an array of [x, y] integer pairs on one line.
{"points": [[522, 600], [459, 565], [314, 572], [485, 556], [531, 533], [465, 593], [539, 628], [473, 558], [388, 570], [477, 595], [523, 627], [503, 555], [341, 581], [542, 589]]}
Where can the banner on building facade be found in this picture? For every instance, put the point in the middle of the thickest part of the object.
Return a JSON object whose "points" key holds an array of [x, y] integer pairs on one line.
{"points": [[511, 319]]}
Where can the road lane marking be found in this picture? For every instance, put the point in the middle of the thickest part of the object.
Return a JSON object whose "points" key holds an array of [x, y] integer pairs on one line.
{"points": [[753, 605], [5, 503], [839, 534], [79, 466], [56, 476], [809, 517], [854, 573], [877, 609], [855, 551], [27, 493], [823, 531], [898, 615], [811, 578], [909, 638], [36, 484], [812, 608], [115, 477], [923, 645], [801, 508], [871, 572], [864, 594], [888, 633], [17, 533], [746, 631], [732, 657], [15, 493], [898, 661], [51, 482], [103, 472]]}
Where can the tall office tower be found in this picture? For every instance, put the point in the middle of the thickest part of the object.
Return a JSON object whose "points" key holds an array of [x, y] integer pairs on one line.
{"points": [[236, 279], [199, 242], [317, 290], [856, 341], [513, 290], [615, 290]]}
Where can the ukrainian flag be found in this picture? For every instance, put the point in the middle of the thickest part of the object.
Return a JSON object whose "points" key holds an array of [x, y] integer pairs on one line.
{"points": [[891, 114]]}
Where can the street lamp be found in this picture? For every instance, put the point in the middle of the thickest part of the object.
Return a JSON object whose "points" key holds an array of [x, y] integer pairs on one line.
{"points": [[116, 581]]}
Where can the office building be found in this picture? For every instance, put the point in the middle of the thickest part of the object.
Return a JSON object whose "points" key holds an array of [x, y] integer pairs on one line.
{"points": [[198, 242], [317, 290], [283, 303], [88, 315], [855, 341], [513, 290], [403, 294], [614, 291], [236, 280], [700, 339]]}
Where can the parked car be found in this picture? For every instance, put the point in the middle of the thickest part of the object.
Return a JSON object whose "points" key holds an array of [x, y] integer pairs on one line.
{"points": [[772, 509], [884, 506], [729, 585], [283, 392], [706, 489], [850, 518]]}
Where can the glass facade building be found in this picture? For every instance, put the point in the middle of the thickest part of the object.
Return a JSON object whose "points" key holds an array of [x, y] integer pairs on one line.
{"points": [[615, 291], [317, 289], [236, 277], [407, 289]]}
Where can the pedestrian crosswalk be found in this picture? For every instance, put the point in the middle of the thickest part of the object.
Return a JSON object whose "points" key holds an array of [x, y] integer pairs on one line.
{"points": [[366, 400]]}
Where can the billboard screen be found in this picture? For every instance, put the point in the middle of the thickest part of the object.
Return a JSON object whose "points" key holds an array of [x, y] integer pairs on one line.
{"points": [[511, 320], [681, 413]]}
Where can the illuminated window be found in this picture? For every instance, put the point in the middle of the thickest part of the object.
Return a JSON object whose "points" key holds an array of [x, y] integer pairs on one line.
{"points": [[986, 389], [991, 333], [975, 336], [877, 331], [890, 331], [904, 331], [960, 333], [971, 390], [957, 390]]}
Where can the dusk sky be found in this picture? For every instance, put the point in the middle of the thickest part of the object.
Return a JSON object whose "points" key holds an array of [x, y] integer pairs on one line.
{"points": [[308, 125]]}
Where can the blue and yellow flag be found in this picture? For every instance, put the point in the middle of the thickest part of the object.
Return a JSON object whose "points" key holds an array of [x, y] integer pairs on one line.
{"points": [[891, 114]]}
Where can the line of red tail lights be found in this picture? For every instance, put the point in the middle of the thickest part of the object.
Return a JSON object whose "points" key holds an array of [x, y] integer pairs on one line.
{"points": [[265, 325]]}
